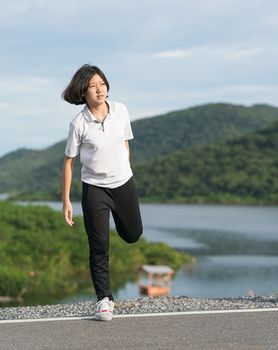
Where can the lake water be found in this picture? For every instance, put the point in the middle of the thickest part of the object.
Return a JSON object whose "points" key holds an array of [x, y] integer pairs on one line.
{"points": [[236, 248]]}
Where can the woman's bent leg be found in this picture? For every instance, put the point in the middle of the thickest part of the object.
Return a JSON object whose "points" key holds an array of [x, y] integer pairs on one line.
{"points": [[96, 211], [126, 212]]}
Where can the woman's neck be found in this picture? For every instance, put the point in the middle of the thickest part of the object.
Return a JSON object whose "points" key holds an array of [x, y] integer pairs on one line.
{"points": [[99, 111]]}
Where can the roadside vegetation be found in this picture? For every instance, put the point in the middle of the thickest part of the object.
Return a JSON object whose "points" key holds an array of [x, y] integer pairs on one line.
{"points": [[45, 260]]}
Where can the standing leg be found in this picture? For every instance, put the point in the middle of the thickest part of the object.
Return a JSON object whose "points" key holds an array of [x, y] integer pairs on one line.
{"points": [[96, 211], [126, 212]]}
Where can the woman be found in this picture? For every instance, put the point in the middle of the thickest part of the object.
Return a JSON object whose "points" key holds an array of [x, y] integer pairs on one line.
{"points": [[100, 133]]}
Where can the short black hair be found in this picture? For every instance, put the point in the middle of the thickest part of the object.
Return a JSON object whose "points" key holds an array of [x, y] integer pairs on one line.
{"points": [[74, 92]]}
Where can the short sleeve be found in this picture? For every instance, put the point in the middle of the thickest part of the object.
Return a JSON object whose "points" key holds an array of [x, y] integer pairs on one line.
{"points": [[73, 142], [128, 134]]}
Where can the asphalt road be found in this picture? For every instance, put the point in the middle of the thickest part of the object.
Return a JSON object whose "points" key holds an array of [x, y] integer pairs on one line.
{"points": [[241, 331]]}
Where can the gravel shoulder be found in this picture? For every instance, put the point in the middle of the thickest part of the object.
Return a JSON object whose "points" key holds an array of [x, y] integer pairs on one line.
{"points": [[140, 306]]}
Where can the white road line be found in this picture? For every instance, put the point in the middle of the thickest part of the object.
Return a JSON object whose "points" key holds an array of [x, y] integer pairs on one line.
{"points": [[184, 313]]}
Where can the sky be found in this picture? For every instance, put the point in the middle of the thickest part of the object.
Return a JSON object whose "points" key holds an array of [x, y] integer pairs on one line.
{"points": [[158, 56]]}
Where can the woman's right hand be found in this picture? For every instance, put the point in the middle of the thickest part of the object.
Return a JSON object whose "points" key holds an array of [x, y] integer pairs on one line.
{"points": [[67, 176], [68, 213]]}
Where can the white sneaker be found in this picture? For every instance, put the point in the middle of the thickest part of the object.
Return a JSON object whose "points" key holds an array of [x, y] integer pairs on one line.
{"points": [[104, 309]]}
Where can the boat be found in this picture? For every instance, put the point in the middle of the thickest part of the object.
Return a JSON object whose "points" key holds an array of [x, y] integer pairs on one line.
{"points": [[155, 280]]}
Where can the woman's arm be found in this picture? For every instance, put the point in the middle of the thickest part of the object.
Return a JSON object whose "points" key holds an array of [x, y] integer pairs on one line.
{"points": [[128, 149], [67, 177]]}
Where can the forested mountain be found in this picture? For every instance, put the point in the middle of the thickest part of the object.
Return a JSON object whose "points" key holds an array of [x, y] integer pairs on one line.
{"points": [[204, 125], [242, 170], [32, 171]]}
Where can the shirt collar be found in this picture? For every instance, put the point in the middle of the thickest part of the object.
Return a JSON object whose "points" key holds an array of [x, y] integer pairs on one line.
{"points": [[90, 117]]}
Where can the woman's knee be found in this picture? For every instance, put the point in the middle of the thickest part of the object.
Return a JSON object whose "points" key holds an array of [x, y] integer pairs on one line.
{"points": [[132, 236]]}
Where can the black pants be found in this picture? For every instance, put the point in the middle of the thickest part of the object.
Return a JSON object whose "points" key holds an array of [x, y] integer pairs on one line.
{"points": [[97, 202]]}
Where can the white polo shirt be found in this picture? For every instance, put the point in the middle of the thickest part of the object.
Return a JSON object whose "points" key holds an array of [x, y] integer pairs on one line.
{"points": [[101, 145]]}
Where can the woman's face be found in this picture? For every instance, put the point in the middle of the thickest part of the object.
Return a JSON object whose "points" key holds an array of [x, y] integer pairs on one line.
{"points": [[97, 91]]}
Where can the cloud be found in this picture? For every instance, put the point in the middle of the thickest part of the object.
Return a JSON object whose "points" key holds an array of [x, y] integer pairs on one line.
{"points": [[178, 53], [26, 96], [23, 84], [158, 56], [239, 52], [234, 52]]}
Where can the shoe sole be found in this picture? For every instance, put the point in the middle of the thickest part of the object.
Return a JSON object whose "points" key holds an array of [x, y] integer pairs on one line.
{"points": [[104, 316]]}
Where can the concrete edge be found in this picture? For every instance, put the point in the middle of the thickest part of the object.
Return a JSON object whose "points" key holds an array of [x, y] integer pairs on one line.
{"points": [[181, 313]]}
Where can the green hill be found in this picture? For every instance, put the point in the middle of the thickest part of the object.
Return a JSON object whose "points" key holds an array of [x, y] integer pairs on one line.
{"points": [[34, 172], [202, 125], [243, 170], [29, 170]]}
